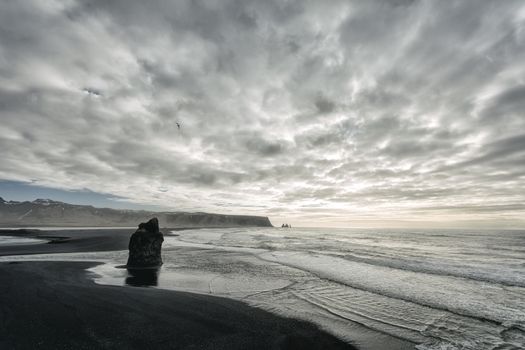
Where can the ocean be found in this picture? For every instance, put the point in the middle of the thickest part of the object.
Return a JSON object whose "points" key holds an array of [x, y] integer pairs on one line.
{"points": [[438, 289]]}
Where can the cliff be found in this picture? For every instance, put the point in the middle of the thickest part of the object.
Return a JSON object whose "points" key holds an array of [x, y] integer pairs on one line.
{"points": [[45, 212]]}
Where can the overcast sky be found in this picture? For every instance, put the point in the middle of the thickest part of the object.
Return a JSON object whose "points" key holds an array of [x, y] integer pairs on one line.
{"points": [[322, 113]]}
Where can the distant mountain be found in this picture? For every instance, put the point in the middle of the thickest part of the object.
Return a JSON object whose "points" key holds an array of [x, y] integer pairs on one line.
{"points": [[47, 212]]}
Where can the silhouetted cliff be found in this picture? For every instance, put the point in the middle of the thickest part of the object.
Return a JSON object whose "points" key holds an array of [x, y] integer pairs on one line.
{"points": [[45, 212]]}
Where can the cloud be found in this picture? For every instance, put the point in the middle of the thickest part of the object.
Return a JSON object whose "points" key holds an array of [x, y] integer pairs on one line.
{"points": [[341, 109]]}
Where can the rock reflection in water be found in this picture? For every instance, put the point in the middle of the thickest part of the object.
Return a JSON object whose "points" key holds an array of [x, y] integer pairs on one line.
{"points": [[143, 277]]}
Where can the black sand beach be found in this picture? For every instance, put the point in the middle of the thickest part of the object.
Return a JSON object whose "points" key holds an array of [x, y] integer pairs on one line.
{"points": [[68, 241], [54, 305]]}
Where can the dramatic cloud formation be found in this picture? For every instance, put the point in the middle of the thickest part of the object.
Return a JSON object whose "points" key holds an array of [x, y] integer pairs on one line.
{"points": [[314, 112]]}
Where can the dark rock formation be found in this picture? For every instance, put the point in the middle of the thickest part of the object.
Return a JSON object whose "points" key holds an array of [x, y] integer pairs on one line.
{"points": [[145, 245]]}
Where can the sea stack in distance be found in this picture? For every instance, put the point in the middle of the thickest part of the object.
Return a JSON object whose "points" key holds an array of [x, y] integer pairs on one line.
{"points": [[145, 245]]}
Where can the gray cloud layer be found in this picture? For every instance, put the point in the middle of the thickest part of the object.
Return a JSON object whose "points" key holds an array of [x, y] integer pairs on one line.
{"points": [[352, 111]]}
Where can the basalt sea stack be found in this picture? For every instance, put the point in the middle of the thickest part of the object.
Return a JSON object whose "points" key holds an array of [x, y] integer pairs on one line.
{"points": [[145, 245]]}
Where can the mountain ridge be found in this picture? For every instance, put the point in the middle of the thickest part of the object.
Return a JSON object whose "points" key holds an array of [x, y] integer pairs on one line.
{"points": [[48, 212]]}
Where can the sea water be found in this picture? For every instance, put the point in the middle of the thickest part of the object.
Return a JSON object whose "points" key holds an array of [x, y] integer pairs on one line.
{"points": [[439, 289], [442, 289]]}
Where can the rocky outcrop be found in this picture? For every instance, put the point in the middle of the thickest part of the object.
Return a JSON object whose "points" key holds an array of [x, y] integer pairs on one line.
{"points": [[145, 245]]}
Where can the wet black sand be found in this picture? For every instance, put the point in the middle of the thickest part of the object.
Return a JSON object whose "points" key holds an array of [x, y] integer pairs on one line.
{"points": [[52, 305]]}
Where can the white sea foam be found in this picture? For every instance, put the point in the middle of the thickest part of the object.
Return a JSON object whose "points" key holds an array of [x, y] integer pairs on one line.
{"points": [[11, 240], [442, 289]]}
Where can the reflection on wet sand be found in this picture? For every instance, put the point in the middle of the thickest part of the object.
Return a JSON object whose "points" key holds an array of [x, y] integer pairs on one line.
{"points": [[144, 277]]}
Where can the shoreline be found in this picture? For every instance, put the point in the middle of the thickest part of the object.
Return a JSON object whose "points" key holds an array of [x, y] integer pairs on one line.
{"points": [[65, 308], [79, 239], [86, 241]]}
